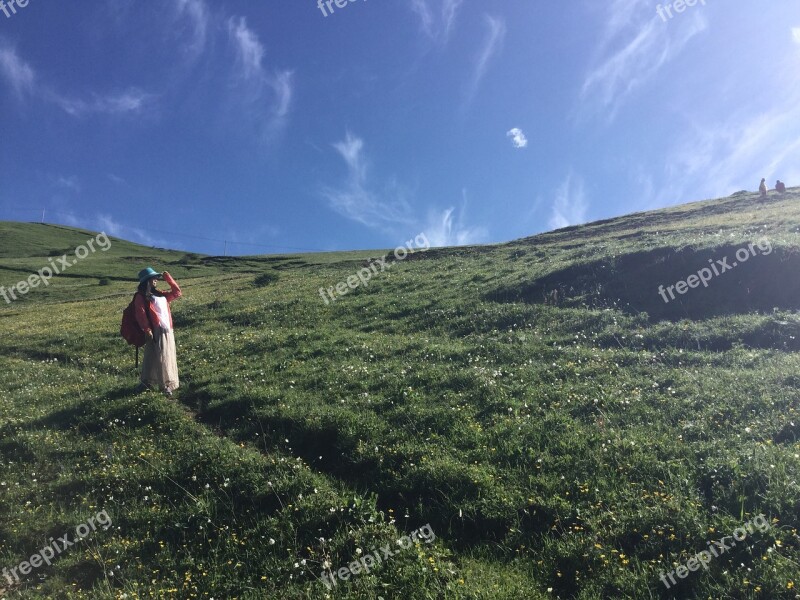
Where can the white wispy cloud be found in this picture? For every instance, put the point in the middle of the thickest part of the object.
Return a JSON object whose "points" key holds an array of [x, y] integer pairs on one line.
{"points": [[569, 206], [110, 226], [130, 101], [447, 227], [71, 220], [622, 15], [70, 182], [425, 14], [282, 87], [250, 52], [715, 153], [387, 207], [436, 24], [357, 200], [635, 45], [517, 137], [273, 90], [196, 14], [22, 78], [733, 154], [492, 43], [19, 74], [796, 35], [114, 228], [449, 13]]}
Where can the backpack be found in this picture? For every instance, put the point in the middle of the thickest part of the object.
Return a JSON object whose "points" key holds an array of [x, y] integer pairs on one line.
{"points": [[130, 330]]}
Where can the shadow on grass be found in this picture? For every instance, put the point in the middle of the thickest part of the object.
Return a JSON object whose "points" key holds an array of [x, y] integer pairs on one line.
{"points": [[90, 416], [330, 443], [632, 282]]}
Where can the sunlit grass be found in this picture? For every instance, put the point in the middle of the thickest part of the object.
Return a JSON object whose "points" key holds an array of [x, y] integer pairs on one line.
{"points": [[555, 451]]}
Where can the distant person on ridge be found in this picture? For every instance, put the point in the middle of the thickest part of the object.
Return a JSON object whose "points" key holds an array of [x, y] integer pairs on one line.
{"points": [[160, 364], [780, 187], [763, 188]]}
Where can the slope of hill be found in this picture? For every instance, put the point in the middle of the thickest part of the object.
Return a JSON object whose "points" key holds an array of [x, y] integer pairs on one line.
{"points": [[536, 411]]}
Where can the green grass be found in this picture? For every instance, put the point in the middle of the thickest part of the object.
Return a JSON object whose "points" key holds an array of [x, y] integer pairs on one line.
{"points": [[569, 449]]}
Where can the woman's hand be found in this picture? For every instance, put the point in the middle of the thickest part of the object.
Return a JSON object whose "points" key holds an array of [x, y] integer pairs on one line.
{"points": [[149, 335]]}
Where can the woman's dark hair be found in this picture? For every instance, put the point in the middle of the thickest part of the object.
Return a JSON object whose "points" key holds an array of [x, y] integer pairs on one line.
{"points": [[143, 288]]}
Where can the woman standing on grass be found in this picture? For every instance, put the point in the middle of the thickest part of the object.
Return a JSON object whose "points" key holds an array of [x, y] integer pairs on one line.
{"points": [[160, 364]]}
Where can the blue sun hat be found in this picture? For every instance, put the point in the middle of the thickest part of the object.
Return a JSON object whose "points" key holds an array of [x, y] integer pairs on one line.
{"points": [[148, 273]]}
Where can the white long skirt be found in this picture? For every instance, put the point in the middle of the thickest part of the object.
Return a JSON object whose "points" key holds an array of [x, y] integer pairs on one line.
{"points": [[160, 362]]}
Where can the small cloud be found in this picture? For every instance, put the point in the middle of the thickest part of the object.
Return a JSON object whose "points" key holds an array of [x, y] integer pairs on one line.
{"points": [[116, 179], [796, 35], [517, 137], [569, 207]]}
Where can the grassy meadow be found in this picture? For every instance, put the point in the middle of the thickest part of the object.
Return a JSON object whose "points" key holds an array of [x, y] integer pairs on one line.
{"points": [[563, 431]]}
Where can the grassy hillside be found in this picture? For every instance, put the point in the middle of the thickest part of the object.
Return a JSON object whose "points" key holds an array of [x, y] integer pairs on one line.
{"points": [[563, 431]]}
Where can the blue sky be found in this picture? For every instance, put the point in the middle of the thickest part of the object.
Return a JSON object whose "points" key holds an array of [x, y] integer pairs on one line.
{"points": [[181, 122]]}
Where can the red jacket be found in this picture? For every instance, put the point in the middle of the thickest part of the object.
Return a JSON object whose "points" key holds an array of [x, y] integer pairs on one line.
{"points": [[144, 308]]}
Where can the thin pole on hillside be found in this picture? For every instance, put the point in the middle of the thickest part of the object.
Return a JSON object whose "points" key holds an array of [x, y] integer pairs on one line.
{"points": [[225, 251], [43, 216]]}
